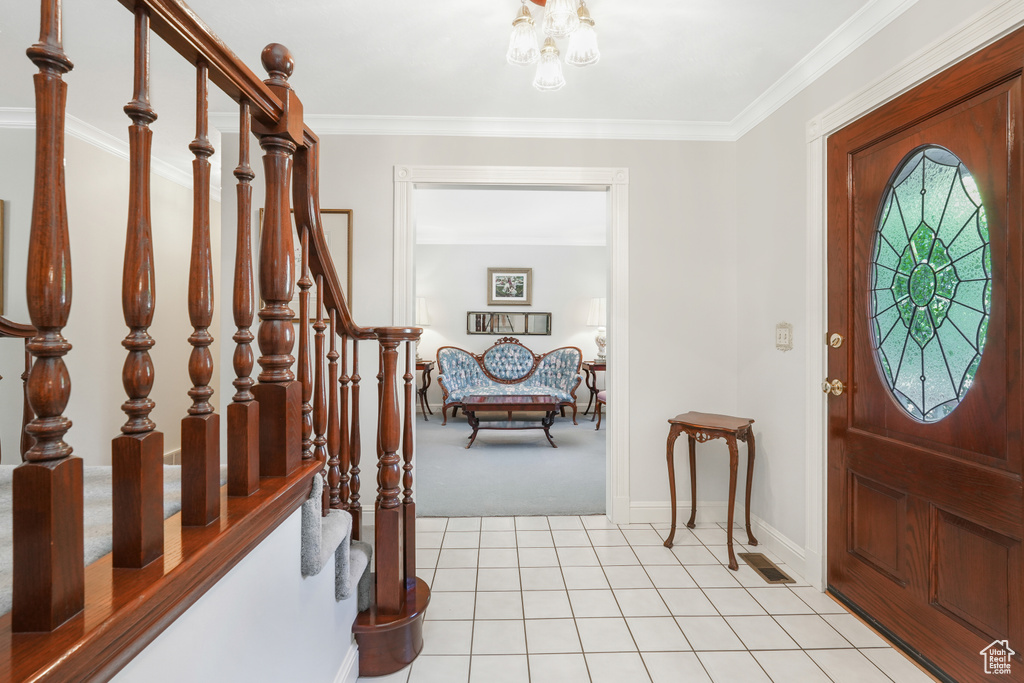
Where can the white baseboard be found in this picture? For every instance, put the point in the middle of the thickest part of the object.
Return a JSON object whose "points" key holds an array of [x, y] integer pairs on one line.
{"points": [[660, 512], [715, 512], [349, 671], [172, 457], [780, 544]]}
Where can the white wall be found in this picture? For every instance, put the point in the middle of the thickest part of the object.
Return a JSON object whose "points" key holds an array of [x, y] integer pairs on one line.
{"points": [[452, 278], [97, 201], [261, 622]]}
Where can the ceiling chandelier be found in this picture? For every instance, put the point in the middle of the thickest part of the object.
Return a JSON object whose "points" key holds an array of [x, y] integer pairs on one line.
{"points": [[562, 18]]}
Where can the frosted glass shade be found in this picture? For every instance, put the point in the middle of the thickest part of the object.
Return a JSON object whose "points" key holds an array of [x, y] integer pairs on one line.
{"points": [[522, 46], [583, 42], [598, 316], [422, 313], [549, 70], [560, 18]]}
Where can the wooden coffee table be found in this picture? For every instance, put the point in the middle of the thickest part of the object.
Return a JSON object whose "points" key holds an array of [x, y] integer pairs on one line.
{"points": [[509, 404]]}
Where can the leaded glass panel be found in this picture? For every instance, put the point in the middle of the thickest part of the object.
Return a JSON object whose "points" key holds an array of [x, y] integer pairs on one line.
{"points": [[931, 283]]}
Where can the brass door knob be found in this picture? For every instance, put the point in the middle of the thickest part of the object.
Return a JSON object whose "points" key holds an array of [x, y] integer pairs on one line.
{"points": [[834, 387]]}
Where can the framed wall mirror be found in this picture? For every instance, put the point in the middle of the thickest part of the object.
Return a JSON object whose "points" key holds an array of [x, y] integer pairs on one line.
{"points": [[491, 322]]}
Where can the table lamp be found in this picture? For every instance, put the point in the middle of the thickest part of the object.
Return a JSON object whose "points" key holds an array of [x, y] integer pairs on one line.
{"points": [[422, 320], [598, 317]]}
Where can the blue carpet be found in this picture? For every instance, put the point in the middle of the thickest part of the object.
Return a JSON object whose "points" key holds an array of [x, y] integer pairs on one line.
{"points": [[509, 472]]}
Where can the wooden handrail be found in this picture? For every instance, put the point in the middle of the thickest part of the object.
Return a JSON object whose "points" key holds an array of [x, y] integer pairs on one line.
{"points": [[9, 328]]}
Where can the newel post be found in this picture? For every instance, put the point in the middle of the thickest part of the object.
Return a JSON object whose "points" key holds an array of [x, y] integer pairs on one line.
{"points": [[49, 570], [278, 394], [388, 520]]}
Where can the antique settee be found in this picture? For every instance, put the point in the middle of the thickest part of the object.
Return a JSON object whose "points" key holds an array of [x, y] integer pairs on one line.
{"points": [[508, 368]]}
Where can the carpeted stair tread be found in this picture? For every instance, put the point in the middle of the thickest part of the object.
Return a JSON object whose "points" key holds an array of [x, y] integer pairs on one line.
{"points": [[359, 575]]}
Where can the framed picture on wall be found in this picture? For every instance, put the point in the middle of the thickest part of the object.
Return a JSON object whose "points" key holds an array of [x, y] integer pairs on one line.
{"points": [[337, 225], [509, 286]]}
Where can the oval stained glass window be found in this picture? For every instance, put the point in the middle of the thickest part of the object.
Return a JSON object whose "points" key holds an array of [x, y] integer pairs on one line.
{"points": [[931, 283]]}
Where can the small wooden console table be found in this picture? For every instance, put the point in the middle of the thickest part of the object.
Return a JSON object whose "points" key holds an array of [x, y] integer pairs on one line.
{"points": [[426, 366], [590, 370], [704, 427], [508, 404]]}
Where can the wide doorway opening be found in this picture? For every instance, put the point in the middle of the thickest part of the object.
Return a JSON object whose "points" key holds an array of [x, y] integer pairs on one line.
{"points": [[511, 286]]}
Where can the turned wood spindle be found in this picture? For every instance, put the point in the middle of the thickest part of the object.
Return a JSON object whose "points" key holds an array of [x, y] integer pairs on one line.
{"points": [[380, 409], [408, 505], [244, 411], [26, 409], [333, 419], [279, 395], [319, 388], [48, 568], [344, 457], [355, 507], [387, 513], [137, 454], [305, 369], [200, 430]]}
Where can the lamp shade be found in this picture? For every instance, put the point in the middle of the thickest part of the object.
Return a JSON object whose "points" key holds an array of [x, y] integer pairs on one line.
{"points": [[598, 316], [522, 46], [549, 70], [422, 313], [560, 18], [583, 42]]}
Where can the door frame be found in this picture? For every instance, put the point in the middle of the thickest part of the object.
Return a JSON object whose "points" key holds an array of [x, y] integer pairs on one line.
{"points": [[613, 180], [979, 31]]}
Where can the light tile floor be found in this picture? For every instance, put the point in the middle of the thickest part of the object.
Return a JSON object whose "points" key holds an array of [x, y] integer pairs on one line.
{"points": [[576, 599]]}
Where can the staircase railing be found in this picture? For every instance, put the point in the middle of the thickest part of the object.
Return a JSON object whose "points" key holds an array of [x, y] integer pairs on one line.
{"points": [[282, 428]]}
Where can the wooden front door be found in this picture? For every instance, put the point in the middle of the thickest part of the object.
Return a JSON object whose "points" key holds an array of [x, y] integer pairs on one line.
{"points": [[925, 442]]}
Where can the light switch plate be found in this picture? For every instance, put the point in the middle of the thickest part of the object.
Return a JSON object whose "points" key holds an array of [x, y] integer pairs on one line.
{"points": [[784, 336]]}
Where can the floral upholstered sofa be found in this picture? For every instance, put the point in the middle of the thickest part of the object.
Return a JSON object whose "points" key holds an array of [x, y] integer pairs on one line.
{"points": [[506, 369]]}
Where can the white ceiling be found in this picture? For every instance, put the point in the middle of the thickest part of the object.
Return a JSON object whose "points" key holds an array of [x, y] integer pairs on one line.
{"points": [[502, 216], [663, 61]]}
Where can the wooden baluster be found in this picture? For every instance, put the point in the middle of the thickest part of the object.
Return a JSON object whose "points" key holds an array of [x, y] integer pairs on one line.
{"points": [[244, 411], [26, 410], [278, 393], [305, 370], [380, 408], [344, 457], [408, 506], [355, 508], [319, 389], [49, 572], [333, 419], [319, 407], [138, 452], [200, 430], [387, 519]]}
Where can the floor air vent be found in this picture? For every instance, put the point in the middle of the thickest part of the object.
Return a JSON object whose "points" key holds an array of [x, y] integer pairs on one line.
{"points": [[766, 568]]}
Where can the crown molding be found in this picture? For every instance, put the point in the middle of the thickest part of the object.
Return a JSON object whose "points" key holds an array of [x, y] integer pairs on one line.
{"points": [[503, 242], [853, 33], [25, 118], [466, 126]]}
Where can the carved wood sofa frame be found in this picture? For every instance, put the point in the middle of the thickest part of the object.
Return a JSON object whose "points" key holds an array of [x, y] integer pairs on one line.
{"points": [[454, 402], [72, 622]]}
